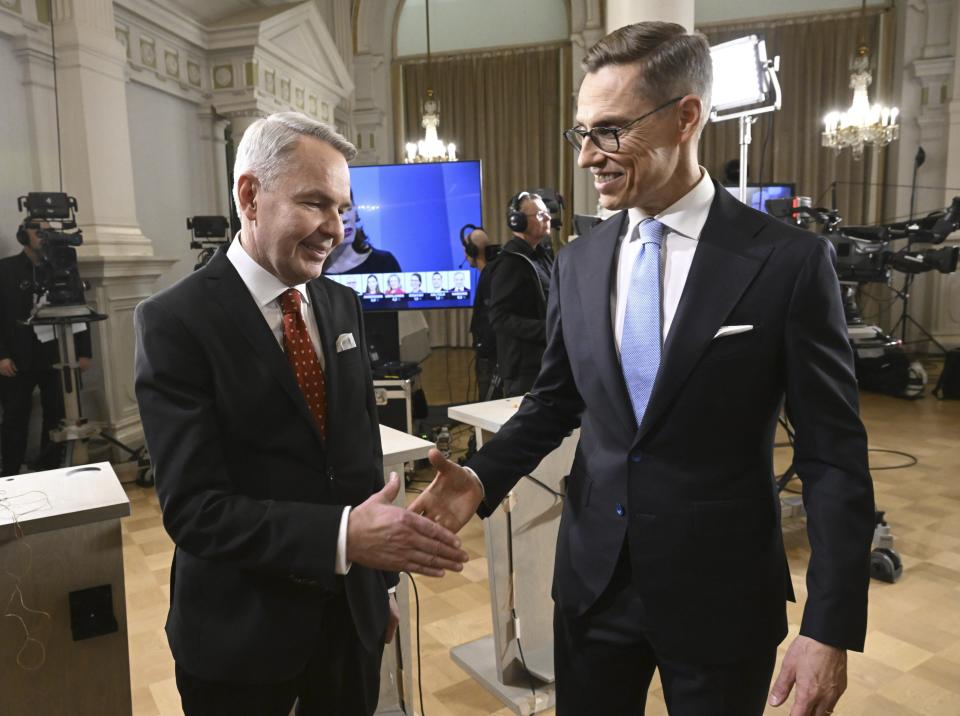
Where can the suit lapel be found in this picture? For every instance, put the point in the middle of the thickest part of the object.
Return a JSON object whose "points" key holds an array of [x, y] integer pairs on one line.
{"points": [[724, 265], [235, 300], [594, 282]]}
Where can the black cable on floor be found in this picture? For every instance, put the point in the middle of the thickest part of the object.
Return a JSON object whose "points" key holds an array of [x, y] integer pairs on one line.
{"points": [[416, 596], [907, 455]]}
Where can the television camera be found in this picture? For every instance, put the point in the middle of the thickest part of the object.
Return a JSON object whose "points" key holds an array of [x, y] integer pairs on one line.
{"points": [[53, 216], [864, 253], [60, 308], [207, 234]]}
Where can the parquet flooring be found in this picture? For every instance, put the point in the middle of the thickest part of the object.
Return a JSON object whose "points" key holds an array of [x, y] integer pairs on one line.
{"points": [[911, 664]]}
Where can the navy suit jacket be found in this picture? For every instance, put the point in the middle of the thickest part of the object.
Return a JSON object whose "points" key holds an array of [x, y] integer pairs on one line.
{"points": [[250, 492], [691, 488]]}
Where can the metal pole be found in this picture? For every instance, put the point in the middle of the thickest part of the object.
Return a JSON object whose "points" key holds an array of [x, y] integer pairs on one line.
{"points": [[745, 138]]}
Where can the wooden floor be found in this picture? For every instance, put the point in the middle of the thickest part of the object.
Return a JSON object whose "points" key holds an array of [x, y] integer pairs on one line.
{"points": [[912, 660]]}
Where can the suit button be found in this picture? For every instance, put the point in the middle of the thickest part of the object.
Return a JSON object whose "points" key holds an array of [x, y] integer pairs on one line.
{"points": [[636, 456], [620, 510], [330, 474]]}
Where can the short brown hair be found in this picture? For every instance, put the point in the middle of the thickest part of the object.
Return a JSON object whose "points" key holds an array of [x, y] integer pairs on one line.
{"points": [[673, 62]]}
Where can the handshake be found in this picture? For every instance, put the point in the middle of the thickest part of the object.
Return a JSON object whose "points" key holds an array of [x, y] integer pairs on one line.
{"points": [[421, 538]]}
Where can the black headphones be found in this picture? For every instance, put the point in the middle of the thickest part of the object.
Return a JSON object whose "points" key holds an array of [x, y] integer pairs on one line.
{"points": [[469, 248], [516, 219], [23, 238]]}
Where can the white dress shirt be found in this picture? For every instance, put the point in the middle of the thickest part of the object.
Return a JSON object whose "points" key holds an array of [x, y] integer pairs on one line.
{"points": [[683, 222], [265, 288]]}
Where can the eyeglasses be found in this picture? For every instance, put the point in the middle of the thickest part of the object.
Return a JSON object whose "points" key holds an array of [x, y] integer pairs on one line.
{"points": [[542, 214], [607, 139]]}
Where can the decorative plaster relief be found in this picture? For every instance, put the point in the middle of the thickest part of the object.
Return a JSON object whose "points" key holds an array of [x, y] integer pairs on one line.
{"points": [[270, 82], [172, 62], [193, 73], [285, 89], [123, 35], [148, 52], [222, 76]]}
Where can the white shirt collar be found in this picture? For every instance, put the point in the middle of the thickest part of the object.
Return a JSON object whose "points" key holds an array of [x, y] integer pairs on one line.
{"points": [[688, 214], [263, 285]]}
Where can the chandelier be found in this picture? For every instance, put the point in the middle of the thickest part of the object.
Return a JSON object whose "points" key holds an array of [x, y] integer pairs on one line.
{"points": [[862, 123], [431, 148]]}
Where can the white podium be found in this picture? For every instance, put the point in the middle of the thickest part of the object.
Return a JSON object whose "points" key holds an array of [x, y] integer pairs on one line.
{"points": [[396, 675], [520, 555], [64, 650]]}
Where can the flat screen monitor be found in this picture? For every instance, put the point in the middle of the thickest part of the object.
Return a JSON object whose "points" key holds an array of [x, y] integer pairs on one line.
{"points": [[404, 251], [773, 190]]}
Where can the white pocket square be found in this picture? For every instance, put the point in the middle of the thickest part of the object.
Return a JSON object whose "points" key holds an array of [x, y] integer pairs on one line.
{"points": [[731, 331], [345, 342]]}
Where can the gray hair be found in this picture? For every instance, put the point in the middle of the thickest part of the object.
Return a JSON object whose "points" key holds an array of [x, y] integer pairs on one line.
{"points": [[269, 140], [673, 62]]}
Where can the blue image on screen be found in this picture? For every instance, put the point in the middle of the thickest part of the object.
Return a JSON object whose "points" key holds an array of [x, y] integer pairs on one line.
{"points": [[415, 212], [757, 198]]}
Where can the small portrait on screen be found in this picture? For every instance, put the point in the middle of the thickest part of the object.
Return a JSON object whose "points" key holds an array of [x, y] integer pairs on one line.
{"points": [[415, 284], [394, 286], [372, 286], [437, 288], [461, 286]]}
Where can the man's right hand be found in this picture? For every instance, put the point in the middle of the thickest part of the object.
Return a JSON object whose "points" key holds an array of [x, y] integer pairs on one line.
{"points": [[8, 368], [383, 536], [452, 498]]}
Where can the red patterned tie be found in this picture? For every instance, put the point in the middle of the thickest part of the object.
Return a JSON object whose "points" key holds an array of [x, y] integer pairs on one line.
{"points": [[303, 358]]}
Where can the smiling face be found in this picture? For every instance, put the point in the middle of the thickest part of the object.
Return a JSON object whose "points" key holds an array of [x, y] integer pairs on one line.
{"points": [[656, 161], [292, 226]]}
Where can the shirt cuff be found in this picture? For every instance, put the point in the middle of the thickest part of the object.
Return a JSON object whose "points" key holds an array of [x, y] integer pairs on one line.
{"points": [[392, 590], [483, 492], [342, 566]]}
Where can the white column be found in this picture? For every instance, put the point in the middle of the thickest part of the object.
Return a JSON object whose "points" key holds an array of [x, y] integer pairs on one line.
{"points": [[97, 166], [586, 25], [627, 12], [115, 258], [213, 136], [37, 64], [927, 50], [371, 109]]}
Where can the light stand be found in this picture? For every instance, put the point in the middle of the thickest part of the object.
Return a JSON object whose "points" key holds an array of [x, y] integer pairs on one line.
{"points": [[904, 293], [745, 85]]}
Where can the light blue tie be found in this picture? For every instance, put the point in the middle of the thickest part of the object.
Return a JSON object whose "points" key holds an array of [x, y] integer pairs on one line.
{"points": [[640, 341]]}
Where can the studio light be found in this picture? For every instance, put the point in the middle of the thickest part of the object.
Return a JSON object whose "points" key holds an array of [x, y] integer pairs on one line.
{"points": [[745, 84]]}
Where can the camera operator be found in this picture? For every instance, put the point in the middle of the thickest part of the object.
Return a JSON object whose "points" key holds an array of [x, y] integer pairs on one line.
{"points": [[518, 294], [479, 253], [27, 356]]}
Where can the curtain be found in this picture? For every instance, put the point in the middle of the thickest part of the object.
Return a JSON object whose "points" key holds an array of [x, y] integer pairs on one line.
{"points": [[815, 53], [505, 108]]}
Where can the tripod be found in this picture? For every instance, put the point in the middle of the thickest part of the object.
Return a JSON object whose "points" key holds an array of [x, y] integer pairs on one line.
{"points": [[906, 319], [75, 431]]}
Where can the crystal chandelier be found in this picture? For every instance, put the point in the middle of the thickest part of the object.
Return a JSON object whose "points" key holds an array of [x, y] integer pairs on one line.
{"points": [[861, 123], [431, 148]]}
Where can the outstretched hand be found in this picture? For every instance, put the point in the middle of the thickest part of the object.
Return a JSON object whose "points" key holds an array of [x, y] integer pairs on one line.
{"points": [[452, 498], [383, 536]]}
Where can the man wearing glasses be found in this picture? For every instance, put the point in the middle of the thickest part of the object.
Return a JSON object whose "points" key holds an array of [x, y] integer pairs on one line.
{"points": [[675, 331], [518, 293]]}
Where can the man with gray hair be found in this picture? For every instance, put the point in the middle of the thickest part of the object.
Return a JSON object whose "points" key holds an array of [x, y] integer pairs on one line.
{"points": [[254, 387], [675, 330]]}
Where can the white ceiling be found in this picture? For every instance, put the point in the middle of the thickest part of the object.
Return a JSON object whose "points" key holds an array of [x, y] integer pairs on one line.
{"points": [[208, 12]]}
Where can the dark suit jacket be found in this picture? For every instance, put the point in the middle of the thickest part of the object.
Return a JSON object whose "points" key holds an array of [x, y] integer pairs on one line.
{"points": [[518, 310], [20, 342], [251, 494], [691, 488]]}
